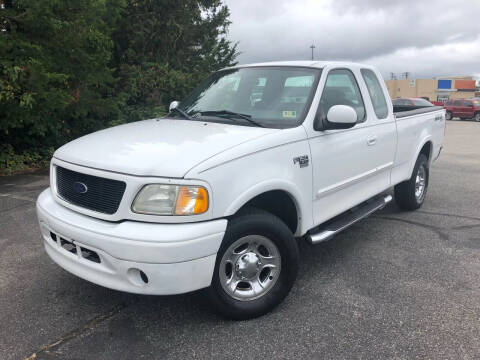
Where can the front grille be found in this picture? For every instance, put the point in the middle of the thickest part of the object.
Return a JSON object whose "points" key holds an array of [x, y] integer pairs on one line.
{"points": [[88, 191]]}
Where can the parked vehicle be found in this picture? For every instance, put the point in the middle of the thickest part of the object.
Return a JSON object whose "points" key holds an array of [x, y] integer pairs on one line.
{"points": [[217, 193], [405, 104], [437, 103], [463, 109]]}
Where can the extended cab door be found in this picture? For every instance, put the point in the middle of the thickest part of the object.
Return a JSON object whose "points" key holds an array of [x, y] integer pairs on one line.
{"points": [[351, 165]]}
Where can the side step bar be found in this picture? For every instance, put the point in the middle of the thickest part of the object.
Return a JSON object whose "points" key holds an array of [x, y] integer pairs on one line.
{"points": [[326, 232]]}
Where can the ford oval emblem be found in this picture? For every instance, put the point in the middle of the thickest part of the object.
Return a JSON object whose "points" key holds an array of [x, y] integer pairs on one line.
{"points": [[80, 187]]}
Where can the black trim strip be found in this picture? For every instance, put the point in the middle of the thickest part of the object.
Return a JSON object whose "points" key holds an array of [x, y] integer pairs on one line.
{"points": [[423, 110]]}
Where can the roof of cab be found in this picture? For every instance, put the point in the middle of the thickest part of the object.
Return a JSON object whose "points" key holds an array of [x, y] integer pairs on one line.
{"points": [[312, 64]]}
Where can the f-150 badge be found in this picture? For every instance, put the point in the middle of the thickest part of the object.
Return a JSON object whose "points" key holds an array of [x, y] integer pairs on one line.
{"points": [[301, 160]]}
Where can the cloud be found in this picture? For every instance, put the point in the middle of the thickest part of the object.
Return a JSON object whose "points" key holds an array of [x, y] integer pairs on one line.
{"points": [[433, 38]]}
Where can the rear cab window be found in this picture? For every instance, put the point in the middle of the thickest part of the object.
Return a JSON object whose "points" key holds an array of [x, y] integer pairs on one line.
{"points": [[457, 103], [376, 93]]}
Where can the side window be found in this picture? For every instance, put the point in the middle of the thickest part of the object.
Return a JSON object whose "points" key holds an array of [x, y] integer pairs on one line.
{"points": [[376, 93], [457, 103], [341, 88], [468, 103]]}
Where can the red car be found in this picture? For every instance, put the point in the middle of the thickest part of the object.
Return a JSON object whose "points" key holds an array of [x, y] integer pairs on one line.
{"points": [[464, 109]]}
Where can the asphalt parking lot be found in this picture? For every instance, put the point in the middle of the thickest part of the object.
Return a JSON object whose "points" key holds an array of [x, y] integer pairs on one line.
{"points": [[396, 285]]}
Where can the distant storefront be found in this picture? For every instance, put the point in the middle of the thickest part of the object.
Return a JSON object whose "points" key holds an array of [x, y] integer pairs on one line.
{"points": [[435, 89]]}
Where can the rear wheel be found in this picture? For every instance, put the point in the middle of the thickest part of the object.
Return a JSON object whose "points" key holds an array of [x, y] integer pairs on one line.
{"points": [[448, 115], [256, 266], [410, 194]]}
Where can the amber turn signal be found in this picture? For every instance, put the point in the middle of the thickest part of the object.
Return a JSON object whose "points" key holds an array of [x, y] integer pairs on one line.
{"points": [[191, 200]]}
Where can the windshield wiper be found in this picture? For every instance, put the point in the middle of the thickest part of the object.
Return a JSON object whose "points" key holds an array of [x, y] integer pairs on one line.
{"points": [[181, 112], [231, 115]]}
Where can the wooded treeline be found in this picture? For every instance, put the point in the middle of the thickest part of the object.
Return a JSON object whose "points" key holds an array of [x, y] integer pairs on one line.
{"points": [[70, 67]]}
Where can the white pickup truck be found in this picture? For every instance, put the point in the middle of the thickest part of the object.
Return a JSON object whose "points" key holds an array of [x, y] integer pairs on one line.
{"points": [[217, 193]]}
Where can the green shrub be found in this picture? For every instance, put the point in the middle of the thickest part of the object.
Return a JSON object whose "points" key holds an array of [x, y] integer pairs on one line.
{"points": [[11, 162]]}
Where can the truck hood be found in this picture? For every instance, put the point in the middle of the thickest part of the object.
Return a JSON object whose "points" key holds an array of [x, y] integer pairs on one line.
{"points": [[157, 147]]}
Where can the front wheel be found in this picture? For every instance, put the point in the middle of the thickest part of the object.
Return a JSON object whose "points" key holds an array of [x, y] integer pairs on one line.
{"points": [[256, 266], [477, 117], [411, 193]]}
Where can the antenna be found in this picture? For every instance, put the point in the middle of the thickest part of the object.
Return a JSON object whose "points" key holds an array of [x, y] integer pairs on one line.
{"points": [[312, 47]]}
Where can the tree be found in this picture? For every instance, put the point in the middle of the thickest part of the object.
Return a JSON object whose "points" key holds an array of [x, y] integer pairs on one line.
{"points": [[163, 48], [55, 79], [70, 67]]}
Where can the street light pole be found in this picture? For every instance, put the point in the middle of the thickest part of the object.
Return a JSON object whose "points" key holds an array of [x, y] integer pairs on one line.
{"points": [[312, 47]]}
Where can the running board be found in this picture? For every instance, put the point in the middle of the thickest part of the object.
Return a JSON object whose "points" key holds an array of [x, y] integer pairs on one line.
{"points": [[326, 232]]}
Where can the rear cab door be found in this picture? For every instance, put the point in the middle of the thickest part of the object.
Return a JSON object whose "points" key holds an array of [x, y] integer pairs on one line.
{"points": [[382, 125]]}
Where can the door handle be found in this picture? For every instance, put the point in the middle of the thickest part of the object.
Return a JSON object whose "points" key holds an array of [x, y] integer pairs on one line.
{"points": [[371, 140]]}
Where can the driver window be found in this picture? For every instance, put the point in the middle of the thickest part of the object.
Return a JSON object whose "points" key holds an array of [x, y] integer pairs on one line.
{"points": [[341, 88]]}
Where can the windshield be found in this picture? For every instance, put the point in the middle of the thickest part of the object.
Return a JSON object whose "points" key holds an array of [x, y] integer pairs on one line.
{"points": [[277, 97]]}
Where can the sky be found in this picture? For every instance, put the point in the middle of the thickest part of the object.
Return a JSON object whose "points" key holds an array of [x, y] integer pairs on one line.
{"points": [[425, 38]]}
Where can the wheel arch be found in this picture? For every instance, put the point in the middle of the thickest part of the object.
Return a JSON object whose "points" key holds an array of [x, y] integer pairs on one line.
{"points": [[268, 196], [426, 148]]}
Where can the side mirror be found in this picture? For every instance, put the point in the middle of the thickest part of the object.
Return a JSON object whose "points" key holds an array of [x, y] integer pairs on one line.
{"points": [[338, 117], [173, 105]]}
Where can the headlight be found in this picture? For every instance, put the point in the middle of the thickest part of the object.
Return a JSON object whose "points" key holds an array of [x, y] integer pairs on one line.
{"points": [[157, 199]]}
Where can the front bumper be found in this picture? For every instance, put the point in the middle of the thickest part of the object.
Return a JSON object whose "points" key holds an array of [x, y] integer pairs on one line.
{"points": [[172, 258]]}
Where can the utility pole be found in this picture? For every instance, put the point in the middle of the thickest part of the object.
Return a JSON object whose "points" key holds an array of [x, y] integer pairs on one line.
{"points": [[393, 76], [312, 47], [406, 74]]}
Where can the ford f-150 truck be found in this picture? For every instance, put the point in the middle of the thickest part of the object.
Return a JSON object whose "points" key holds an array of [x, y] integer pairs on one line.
{"points": [[217, 193]]}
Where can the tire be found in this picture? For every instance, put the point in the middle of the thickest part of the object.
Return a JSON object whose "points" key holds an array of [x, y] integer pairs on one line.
{"points": [[477, 117], [448, 115], [410, 194], [253, 227]]}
